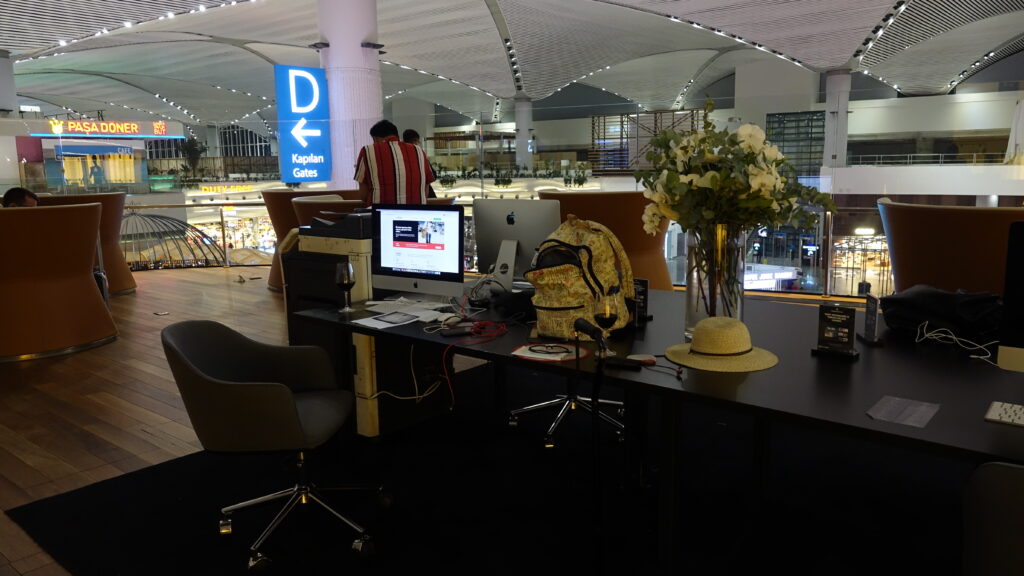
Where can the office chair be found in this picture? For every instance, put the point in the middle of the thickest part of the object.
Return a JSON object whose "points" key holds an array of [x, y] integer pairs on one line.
{"points": [[246, 396], [994, 520], [570, 401]]}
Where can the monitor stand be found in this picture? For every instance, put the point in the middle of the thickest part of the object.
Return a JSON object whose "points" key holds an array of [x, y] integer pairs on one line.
{"points": [[505, 264]]}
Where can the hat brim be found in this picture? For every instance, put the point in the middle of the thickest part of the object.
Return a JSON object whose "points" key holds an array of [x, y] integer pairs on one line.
{"points": [[756, 359]]}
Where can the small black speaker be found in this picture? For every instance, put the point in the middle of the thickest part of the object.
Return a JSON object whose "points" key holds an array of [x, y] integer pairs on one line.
{"points": [[1011, 331]]}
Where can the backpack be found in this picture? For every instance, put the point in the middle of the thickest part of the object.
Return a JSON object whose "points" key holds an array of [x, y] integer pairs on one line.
{"points": [[577, 262]]}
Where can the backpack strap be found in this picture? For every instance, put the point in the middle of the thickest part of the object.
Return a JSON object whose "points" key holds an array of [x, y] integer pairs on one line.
{"points": [[620, 254]]}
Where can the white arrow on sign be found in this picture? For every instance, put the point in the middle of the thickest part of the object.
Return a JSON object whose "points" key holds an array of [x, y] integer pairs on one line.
{"points": [[300, 130]]}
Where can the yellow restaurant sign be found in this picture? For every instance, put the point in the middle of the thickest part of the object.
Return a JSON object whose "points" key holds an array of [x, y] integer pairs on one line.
{"points": [[109, 128]]}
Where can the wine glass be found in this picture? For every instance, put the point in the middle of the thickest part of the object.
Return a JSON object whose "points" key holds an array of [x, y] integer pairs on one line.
{"points": [[345, 278], [606, 313]]}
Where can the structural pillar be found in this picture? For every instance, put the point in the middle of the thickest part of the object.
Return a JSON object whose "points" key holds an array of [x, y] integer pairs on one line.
{"points": [[524, 133], [10, 175], [837, 105], [212, 141], [353, 81]]}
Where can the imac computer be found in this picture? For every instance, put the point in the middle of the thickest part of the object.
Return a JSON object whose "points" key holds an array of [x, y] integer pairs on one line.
{"points": [[418, 248], [508, 233]]}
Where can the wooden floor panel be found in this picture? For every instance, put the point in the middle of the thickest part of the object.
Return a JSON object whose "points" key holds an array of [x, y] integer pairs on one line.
{"points": [[70, 421]]}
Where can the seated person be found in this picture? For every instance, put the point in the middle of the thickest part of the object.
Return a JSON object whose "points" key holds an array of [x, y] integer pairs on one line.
{"points": [[20, 198]]}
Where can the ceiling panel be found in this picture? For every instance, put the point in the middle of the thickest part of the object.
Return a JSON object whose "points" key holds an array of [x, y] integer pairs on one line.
{"points": [[823, 34], [653, 82], [559, 41]]}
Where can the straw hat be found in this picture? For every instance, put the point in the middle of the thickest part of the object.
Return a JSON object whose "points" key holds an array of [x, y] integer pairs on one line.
{"points": [[721, 344]]}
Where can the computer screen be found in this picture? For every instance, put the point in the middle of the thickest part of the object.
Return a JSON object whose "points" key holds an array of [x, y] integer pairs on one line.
{"points": [[528, 222], [418, 248]]}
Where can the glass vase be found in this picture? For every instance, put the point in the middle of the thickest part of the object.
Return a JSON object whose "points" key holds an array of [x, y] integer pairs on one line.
{"points": [[715, 263]]}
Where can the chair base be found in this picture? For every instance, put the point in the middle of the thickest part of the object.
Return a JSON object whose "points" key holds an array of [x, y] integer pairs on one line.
{"points": [[565, 403], [300, 493]]}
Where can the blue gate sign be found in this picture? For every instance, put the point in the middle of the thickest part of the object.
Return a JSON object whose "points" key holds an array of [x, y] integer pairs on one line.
{"points": [[303, 117]]}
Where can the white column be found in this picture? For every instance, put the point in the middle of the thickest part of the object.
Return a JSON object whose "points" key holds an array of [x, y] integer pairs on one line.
{"points": [[524, 132], [9, 173], [212, 141], [353, 81], [837, 104]]}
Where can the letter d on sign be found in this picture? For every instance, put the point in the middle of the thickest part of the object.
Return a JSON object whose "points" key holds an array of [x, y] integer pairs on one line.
{"points": [[314, 100]]}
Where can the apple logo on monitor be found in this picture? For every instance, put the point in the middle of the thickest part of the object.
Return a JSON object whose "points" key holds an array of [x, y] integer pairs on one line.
{"points": [[511, 218]]}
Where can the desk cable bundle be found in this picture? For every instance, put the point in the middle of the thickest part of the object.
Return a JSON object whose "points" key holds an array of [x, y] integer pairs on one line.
{"points": [[946, 336], [482, 333]]}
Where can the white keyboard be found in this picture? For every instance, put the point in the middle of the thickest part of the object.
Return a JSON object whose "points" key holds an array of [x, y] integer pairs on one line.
{"points": [[1006, 413]]}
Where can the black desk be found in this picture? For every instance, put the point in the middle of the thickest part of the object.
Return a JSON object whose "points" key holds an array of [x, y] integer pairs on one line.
{"points": [[804, 420]]}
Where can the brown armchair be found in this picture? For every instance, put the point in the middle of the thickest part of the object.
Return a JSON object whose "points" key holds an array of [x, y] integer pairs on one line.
{"points": [[622, 213], [52, 304], [119, 275], [974, 260], [282, 218]]}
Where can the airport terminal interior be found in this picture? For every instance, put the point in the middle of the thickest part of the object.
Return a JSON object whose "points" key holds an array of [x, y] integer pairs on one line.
{"points": [[182, 109]]}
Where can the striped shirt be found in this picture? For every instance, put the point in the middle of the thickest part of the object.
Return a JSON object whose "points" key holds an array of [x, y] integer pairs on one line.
{"points": [[397, 172]]}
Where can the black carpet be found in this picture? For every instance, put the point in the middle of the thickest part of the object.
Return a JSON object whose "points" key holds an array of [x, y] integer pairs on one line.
{"points": [[469, 495]]}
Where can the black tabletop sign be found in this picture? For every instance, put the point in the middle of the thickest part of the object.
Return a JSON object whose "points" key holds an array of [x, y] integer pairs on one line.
{"points": [[640, 302], [836, 330]]}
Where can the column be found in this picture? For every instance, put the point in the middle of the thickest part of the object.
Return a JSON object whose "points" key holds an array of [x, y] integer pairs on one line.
{"points": [[9, 172], [353, 81], [837, 104], [524, 133], [212, 140]]}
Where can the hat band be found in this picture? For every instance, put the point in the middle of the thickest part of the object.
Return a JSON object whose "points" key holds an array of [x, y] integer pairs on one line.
{"points": [[747, 351]]}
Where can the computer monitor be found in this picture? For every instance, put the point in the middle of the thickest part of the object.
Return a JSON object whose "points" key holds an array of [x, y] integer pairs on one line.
{"points": [[508, 233], [418, 248], [1010, 355]]}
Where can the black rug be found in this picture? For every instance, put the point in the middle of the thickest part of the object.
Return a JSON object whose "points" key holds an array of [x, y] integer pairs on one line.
{"points": [[470, 495]]}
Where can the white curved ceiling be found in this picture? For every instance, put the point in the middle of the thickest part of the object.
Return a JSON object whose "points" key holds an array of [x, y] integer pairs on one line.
{"points": [[214, 64]]}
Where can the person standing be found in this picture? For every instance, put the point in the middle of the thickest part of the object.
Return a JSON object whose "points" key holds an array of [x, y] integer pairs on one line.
{"points": [[390, 171], [413, 137]]}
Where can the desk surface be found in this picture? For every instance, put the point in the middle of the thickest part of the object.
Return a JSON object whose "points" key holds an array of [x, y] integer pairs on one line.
{"points": [[815, 390]]}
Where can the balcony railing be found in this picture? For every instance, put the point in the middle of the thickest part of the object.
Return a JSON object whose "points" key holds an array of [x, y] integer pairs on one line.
{"points": [[925, 159]]}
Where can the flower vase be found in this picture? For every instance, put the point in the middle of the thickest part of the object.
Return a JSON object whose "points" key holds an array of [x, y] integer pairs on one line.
{"points": [[714, 273]]}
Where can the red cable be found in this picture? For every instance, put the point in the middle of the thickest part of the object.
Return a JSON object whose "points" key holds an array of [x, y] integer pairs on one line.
{"points": [[483, 332]]}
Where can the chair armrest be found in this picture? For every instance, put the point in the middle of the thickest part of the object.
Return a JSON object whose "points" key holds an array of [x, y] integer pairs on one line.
{"points": [[299, 368]]}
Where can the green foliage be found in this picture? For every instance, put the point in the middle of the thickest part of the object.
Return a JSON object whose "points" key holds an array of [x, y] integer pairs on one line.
{"points": [[715, 176], [192, 150]]}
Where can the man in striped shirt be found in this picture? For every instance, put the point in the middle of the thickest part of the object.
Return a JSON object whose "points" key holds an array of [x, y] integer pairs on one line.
{"points": [[390, 171]]}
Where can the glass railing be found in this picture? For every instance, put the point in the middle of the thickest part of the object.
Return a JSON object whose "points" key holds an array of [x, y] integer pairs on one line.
{"points": [[926, 159], [240, 234]]}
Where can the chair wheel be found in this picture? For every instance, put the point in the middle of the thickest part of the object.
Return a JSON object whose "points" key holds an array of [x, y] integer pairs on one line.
{"points": [[225, 525], [258, 562], [513, 421], [385, 499], [549, 442], [363, 545]]}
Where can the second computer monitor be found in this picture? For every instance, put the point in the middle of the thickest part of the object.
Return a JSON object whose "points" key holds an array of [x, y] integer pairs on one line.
{"points": [[528, 222]]}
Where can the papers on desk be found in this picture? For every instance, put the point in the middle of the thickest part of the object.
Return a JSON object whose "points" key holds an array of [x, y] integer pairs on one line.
{"points": [[415, 312], [902, 411]]}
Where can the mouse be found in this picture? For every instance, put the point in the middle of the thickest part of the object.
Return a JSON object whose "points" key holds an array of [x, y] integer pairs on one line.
{"points": [[447, 319]]}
